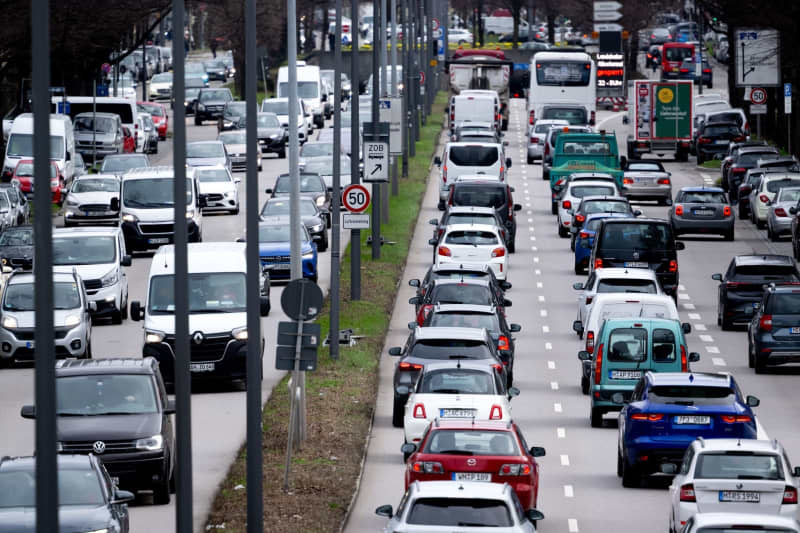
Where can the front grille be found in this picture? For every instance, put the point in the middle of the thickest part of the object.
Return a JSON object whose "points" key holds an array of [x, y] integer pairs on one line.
{"points": [[157, 228], [275, 259], [111, 446], [92, 284], [94, 207], [27, 334], [21, 262], [214, 108], [211, 348], [214, 197]]}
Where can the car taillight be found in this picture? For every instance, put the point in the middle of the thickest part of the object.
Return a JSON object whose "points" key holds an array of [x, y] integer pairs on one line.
{"points": [[732, 284], [738, 170], [534, 140], [703, 140], [732, 419], [647, 417], [687, 493], [546, 149], [409, 366], [706, 71], [679, 210], [765, 323], [726, 211], [591, 118], [566, 204], [502, 343], [627, 181], [673, 265], [580, 218], [763, 198], [589, 300], [663, 181], [598, 263], [738, 139], [514, 470], [584, 235], [496, 413], [684, 360], [789, 495], [530, 116], [684, 70], [444, 174], [498, 367], [590, 341], [419, 411], [427, 467], [780, 212], [445, 251], [598, 365], [499, 252]]}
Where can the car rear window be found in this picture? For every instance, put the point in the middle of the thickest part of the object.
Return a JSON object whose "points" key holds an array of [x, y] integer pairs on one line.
{"points": [[462, 293], [765, 272], [644, 236], [471, 442], [713, 129], [692, 394], [751, 158], [726, 117], [470, 218], [784, 303], [457, 381], [776, 185], [738, 465], [479, 196], [473, 155], [674, 53], [573, 115], [586, 148], [650, 167], [451, 349], [788, 194], [581, 191], [487, 321], [475, 238], [543, 128], [459, 512], [704, 197], [645, 286], [605, 206], [627, 345], [633, 309]]}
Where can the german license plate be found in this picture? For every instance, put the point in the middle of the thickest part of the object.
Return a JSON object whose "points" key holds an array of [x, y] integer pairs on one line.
{"points": [[637, 264], [158, 240], [201, 367], [739, 496], [722, 141], [795, 331], [625, 374], [703, 212], [281, 267], [643, 181], [472, 476], [696, 420], [456, 413]]}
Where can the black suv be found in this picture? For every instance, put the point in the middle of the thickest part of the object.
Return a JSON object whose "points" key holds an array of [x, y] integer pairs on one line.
{"points": [[745, 159], [118, 410], [639, 243], [773, 335], [743, 285], [210, 104], [496, 194], [733, 150], [232, 115], [712, 137]]}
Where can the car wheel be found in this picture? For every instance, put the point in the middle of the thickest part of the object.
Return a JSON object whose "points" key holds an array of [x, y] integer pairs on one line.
{"points": [[585, 385], [235, 211], [578, 268], [759, 364], [562, 231], [116, 317], [630, 475], [742, 212], [750, 356], [700, 158], [554, 208], [729, 235], [197, 121], [314, 278], [512, 246], [324, 245], [530, 160], [161, 493], [726, 325], [260, 167], [619, 464], [440, 205], [88, 353], [771, 234], [398, 410], [596, 417], [760, 224]]}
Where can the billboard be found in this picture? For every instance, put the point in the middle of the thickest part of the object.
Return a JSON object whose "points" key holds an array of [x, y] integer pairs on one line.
{"points": [[757, 57]]}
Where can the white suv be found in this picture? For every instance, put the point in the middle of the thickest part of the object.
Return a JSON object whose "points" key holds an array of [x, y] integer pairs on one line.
{"points": [[571, 199]]}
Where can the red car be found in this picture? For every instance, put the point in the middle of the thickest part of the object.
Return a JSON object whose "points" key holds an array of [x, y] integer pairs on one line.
{"points": [[128, 142], [479, 451], [23, 174], [159, 114]]}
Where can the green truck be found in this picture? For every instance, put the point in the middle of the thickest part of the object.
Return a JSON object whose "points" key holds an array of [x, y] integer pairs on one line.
{"points": [[662, 119], [583, 152]]}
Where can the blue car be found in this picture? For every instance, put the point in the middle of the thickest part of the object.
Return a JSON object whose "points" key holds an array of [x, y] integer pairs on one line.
{"points": [[274, 249], [669, 410], [585, 239]]}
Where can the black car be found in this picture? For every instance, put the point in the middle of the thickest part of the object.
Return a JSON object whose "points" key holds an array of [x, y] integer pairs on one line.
{"points": [[713, 139], [216, 70], [478, 316], [745, 159], [272, 137], [459, 272], [311, 186], [743, 285], [313, 219], [210, 104], [458, 291], [232, 115], [495, 194], [773, 334], [87, 497], [16, 247], [598, 204], [752, 180], [118, 410], [436, 344], [638, 243], [191, 90], [733, 150]]}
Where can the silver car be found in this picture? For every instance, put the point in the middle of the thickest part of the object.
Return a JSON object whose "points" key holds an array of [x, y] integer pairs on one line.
{"points": [[99, 133], [536, 137], [779, 217], [89, 200], [647, 180], [236, 144], [702, 210], [8, 215], [207, 154], [72, 322], [20, 205]]}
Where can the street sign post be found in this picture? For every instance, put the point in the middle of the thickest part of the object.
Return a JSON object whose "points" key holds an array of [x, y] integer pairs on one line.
{"points": [[376, 152], [607, 27], [391, 111], [787, 98], [757, 57], [758, 95], [355, 198], [607, 11], [758, 109]]}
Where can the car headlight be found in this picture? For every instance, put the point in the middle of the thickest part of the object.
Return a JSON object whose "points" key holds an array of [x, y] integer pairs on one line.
{"points": [[200, 107], [317, 228], [229, 194], [9, 322], [309, 255], [320, 201], [275, 136], [110, 279], [150, 444], [59, 447], [72, 202], [72, 320], [240, 334], [185, 103], [153, 336], [190, 213], [128, 217]]}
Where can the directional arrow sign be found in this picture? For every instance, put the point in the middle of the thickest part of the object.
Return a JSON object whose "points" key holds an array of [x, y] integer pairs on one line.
{"points": [[376, 161], [607, 16], [607, 6]]}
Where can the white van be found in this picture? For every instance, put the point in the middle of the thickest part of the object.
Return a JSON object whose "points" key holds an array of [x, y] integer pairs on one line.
{"points": [[309, 89], [124, 107], [472, 107], [470, 158], [62, 144], [217, 311]]}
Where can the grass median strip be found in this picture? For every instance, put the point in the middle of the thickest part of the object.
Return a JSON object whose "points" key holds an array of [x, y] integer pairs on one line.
{"points": [[340, 394]]}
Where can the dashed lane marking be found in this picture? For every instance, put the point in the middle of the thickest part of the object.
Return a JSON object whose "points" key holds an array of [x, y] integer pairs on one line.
{"points": [[557, 407], [541, 297], [554, 385], [568, 492], [683, 296], [564, 460], [543, 312], [539, 285], [706, 338], [548, 346], [712, 349], [561, 433], [572, 524], [688, 306], [551, 365], [694, 316], [718, 361], [537, 272], [700, 327], [535, 259], [545, 329]]}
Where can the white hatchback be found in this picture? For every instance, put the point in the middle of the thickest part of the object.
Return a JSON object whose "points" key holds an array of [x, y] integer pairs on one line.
{"points": [[572, 198], [473, 243]]}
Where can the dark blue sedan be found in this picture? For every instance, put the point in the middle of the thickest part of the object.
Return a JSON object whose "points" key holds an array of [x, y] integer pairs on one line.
{"points": [[585, 239], [274, 249], [669, 410]]}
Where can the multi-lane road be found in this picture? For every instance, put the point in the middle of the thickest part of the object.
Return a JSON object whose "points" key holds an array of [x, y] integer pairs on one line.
{"points": [[579, 488]]}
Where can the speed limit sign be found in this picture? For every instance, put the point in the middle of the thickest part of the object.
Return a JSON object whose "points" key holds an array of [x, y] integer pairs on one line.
{"points": [[355, 198]]}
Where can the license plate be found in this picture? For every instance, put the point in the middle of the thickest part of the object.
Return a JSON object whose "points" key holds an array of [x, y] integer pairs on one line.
{"points": [[472, 476], [456, 413], [201, 367], [795, 331], [158, 240], [637, 264], [703, 212], [281, 267], [625, 374], [722, 141], [739, 496], [643, 181], [697, 420]]}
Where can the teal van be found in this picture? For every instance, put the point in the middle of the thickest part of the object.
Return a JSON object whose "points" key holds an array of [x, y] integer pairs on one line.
{"points": [[626, 349]]}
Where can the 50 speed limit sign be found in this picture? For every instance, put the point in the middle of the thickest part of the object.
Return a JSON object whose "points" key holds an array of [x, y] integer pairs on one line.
{"points": [[355, 198]]}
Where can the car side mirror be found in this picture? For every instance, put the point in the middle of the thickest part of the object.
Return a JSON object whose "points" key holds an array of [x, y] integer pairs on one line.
{"points": [[433, 222], [577, 327], [403, 390], [126, 260], [686, 328], [384, 510], [513, 392], [537, 451], [114, 204], [793, 210], [515, 328], [505, 285], [508, 162], [618, 398], [578, 286], [237, 180], [91, 307], [517, 207], [122, 496], [534, 515], [28, 411], [202, 201], [413, 283], [506, 302], [717, 277], [412, 325], [268, 191], [395, 350], [796, 471], [408, 448], [679, 245], [637, 212], [263, 306], [136, 311], [170, 408], [669, 468], [752, 401], [437, 161], [694, 357], [623, 161], [433, 242], [583, 355], [414, 300]]}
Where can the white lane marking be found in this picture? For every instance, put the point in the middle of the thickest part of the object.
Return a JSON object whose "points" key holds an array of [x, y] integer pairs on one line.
{"points": [[535, 259], [557, 407], [541, 297], [533, 238], [548, 346], [551, 365], [545, 329], [568, 492], [706, 177], [706, 338], [694, 316], [683, 296], [572, 524], [564, 460], [761, 433], [688, 306], [712, 349], [543, 313], [700, 327], [535, 249], [681, 287], [537, 272], [718, 361], [539, 285], [561, 433], [529, 213], [530, 219], [554, 385]]}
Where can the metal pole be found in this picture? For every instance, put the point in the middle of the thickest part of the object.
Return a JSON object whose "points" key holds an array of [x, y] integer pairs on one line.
{"points": [[94, 123], [144, 65], [429, 85], [355, 177], [183, 385], [384, 189], [702, 44], [45, 374], [414, 77], [255, 466], [393, 7], [333, 335], [376, 83]]}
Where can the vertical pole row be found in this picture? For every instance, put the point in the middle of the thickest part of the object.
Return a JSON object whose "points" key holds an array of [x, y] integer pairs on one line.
{"points": [[333, 334], [377, 81], [355, 80]]}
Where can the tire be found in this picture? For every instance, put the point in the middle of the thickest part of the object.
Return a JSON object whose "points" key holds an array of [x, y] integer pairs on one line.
{"points": [[710, 85], [530, 160], [619, 464], [742, 213], [596, 417], [440, 205], [554, 208], [510, 379], [314, 278], [324, 245], [726, 325], [729, 235], [512, 246], [562, 231], [282, 153], [124, 311], [759, 364], [116, 317], [88, 353], [630, 475], [398, 411], [197, 120], [585, 385], [700, 159], [161, 493], [235, 211], [751, 358], [504, 125], [578, 268], [760, 224], [260, 168]]}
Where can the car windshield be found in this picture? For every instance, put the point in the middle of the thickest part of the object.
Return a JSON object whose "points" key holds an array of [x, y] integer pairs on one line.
{"points": [[692, 394], [765, 272], [17, 237], [233, 137], [121, 164], [102, 124], [635, 235], [573, 115], [21, 145], [305, 89], [704, 197], [279, 107], [20, 296], [75, 487], [281, 207], [738, 465], [543, 128], [268, 120], [627, 345], [479, 196], [214, 292], [307, 184], [459, 512], [324, 165], [474, 238], [207, 96], [462, 293], [726, 117], [721, 129], [95, 185], [165, 77], [487, 321], [273, 233], [457, 381], [105, 394], [646, 286], [678, 53], [649, 167], [152, 193], [583, 148], [474, 155], [84, 250], [581, 191], [469, 218], [194, 67], [213, 175], [776, 185], [316, 149], [451, 349], [205, 149], [471, 442], [605, 206]]}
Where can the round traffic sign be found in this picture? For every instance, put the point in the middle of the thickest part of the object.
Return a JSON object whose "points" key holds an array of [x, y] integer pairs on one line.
{"points": [[758, 96], [106, 68], [421, 77], [301, 299], [434, 24], [355, 198]]}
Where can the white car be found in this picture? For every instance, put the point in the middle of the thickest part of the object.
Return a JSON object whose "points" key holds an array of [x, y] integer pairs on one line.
{"points": [[741, 523], [456, 503], [733, 476], [473, 243], [89, 200], [160, 86], [762, 196], [614, 280], [572, 197], [455, 389], [459, 36], [219, 188]]}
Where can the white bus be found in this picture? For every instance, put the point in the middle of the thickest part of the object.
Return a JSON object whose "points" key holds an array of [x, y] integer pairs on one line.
{"points": [[563, 86]]}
